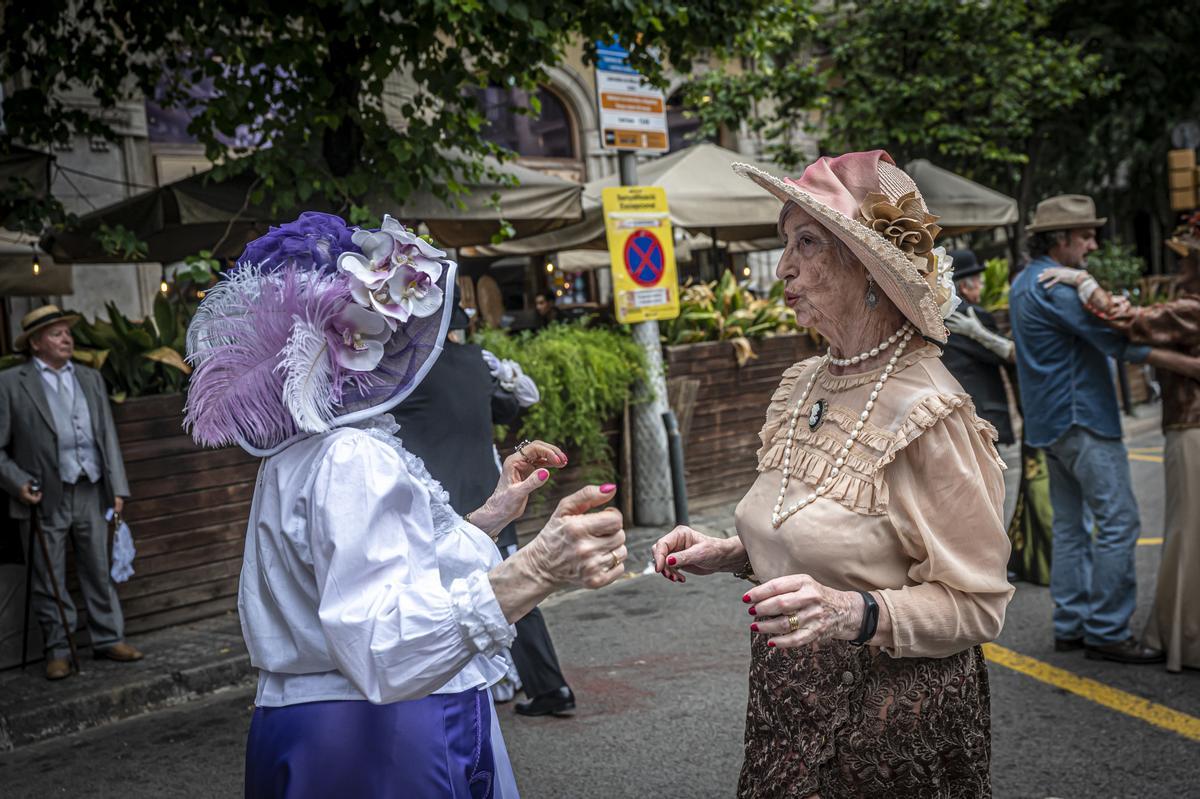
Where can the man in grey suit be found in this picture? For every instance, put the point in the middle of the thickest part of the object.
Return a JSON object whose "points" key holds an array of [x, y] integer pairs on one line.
{"points": [[56, 428]]}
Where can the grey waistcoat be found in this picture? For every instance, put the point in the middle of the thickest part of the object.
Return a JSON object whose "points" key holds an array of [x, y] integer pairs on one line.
{"points": [[77, 451]]}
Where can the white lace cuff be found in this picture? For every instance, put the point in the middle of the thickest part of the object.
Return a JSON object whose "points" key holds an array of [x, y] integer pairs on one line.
{"points": [[478, 614]]}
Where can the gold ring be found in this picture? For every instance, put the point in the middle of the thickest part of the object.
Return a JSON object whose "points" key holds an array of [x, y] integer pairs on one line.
{"points": [[616, 562], [793, 622]]}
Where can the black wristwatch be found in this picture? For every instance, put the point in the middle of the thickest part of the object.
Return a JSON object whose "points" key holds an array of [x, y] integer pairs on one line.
{"points": [[870, 620]]}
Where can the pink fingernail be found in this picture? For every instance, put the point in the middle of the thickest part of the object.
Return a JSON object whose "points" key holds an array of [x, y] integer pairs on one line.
{"points": [[608, 488], [753, 612], [543, 475], [671, 561], [771, 644], [753, 628]]}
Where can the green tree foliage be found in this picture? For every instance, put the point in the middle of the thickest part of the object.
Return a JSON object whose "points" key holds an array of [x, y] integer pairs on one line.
{"points": [[585, 375], [966, 83], [300, 86]]}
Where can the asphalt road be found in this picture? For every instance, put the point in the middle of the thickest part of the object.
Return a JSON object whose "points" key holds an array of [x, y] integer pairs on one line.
{"points": [[660, 671]]}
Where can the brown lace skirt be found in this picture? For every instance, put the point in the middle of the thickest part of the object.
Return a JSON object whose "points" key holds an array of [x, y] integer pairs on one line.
{"points": [[844, 721]]}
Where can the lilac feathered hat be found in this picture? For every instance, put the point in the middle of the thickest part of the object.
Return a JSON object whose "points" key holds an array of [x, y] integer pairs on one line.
{"points": [[318, 325]]}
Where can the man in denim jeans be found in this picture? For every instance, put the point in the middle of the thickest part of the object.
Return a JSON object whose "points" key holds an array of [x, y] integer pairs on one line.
{"points": [[1071, 412]]}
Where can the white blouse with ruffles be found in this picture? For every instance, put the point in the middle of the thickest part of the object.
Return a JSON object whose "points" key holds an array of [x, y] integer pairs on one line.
{"points": [[915, 514], [359, 581]]}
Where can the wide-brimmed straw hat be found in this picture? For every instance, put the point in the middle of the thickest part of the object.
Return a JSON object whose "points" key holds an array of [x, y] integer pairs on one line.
{"points": [[1065, 212], [876, 210], [38, 319]]}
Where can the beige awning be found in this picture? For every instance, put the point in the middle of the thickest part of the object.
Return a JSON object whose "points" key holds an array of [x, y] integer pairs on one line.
{"points": [[962, 205], [703, 193]]}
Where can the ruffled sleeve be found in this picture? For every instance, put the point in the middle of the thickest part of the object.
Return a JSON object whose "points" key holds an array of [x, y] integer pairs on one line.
{"points": [[946, 505], [392, 628]]}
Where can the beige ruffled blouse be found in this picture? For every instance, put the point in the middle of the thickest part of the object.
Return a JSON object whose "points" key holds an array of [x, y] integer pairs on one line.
{"points": [[915, 514]]}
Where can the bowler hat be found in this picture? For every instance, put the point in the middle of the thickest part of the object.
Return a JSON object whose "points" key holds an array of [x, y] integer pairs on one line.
{"points": [[38, 319], [1065, 212], [965, 263]]}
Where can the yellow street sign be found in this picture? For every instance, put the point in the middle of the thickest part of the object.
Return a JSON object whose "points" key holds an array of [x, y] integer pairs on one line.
{"points": [[642, 253]]}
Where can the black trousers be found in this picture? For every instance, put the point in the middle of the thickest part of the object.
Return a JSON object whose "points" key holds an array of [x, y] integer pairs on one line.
{"points": [[533, 651]]}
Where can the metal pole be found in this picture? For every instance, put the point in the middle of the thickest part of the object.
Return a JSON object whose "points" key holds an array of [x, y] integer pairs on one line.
{"points": [[678, 479], [62, 611], [652, 494]]}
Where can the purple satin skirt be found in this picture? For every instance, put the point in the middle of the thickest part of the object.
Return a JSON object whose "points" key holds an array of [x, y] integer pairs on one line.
{"points": [[431, 748]]}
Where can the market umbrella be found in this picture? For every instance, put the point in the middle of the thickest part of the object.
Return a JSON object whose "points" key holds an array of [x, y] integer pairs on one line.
{"points": [[538, 203], [962, 205], [175, 220], [199, 213], [703, 193]]}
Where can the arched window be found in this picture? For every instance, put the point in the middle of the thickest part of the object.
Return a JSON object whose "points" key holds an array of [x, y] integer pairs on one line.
{"points": [[545, 135], [681, 129]]}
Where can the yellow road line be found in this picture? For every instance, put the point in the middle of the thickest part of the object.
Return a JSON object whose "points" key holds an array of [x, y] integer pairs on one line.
{"points": [[1146, 450], [1147, 458], [1149, 542], [1094, 691]]}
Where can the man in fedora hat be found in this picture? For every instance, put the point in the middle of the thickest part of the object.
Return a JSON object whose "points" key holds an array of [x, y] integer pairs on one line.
{"points": [[56, 430], [975, 355], [1071, 412]]}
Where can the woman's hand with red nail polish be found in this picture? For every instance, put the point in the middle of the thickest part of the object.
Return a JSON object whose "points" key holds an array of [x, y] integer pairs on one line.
{"points": [[686, 550]]}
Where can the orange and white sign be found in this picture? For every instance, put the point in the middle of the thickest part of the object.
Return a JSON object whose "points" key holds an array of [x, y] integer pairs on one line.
{"points": [[633, 114]]}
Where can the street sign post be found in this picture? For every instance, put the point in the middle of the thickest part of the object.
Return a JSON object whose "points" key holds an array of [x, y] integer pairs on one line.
{"points": [[642, 253], [633, 114]]}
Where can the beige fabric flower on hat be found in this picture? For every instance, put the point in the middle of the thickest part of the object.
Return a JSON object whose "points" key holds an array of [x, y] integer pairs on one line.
{"points": [[905, 223]]}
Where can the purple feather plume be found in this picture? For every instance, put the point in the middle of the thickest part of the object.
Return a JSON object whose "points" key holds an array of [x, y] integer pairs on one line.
{"points": [[237, 389]]}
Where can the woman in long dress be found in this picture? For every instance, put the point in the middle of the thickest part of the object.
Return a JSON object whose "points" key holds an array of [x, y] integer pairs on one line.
{"points": [[874, 532], [375, 614]]}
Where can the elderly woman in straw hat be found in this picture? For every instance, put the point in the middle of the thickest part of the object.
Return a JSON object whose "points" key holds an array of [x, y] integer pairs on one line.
{"points": [[873, 534]]}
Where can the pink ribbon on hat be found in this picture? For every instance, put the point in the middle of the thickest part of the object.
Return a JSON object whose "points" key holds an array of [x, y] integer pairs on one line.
{"points": [[843, 183]]}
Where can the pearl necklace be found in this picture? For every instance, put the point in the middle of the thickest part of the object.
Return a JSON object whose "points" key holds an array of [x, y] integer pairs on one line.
{"points": [[871, 353], [780, 514]]}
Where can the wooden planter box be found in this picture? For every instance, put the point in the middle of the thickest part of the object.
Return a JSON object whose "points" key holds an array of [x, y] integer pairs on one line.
{"points": [[187, 511], [731, 405]]}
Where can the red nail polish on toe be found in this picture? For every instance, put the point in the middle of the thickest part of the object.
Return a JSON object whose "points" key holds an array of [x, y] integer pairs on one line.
{"points": [[753, 612], [753, 628], [745, 597], [671, 561], [543, 475]]}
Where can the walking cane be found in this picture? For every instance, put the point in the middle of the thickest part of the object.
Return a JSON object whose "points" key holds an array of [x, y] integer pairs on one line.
{"points": [[36, 522], [28, 594]]}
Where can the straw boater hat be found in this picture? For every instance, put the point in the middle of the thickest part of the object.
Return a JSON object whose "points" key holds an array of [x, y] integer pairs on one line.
{"points": [[1065, 212], [876, 210], [38, 319]]}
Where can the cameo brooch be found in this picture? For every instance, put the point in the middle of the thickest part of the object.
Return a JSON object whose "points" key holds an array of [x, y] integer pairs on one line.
{"points": [[816, 414]]}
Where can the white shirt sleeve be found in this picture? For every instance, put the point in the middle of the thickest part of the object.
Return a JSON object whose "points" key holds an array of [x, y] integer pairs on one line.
{"points": [[392, 628]]}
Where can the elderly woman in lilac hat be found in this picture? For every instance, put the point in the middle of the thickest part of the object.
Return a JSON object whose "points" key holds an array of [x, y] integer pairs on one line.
{"points": [[873, 536], [375, 615]]}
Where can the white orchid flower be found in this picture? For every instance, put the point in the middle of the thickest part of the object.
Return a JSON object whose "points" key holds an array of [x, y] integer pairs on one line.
{"points": [[357, 338]]}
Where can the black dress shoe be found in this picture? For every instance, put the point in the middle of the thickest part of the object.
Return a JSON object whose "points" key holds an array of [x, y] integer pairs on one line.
{"points": [[1067, 644], [554, 703], [1131, 650]]}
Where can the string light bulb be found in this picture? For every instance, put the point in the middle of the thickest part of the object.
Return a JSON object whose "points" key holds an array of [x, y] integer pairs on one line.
{"points": [[549, 267], [37, 265], [163, 287], [746, 271]]}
